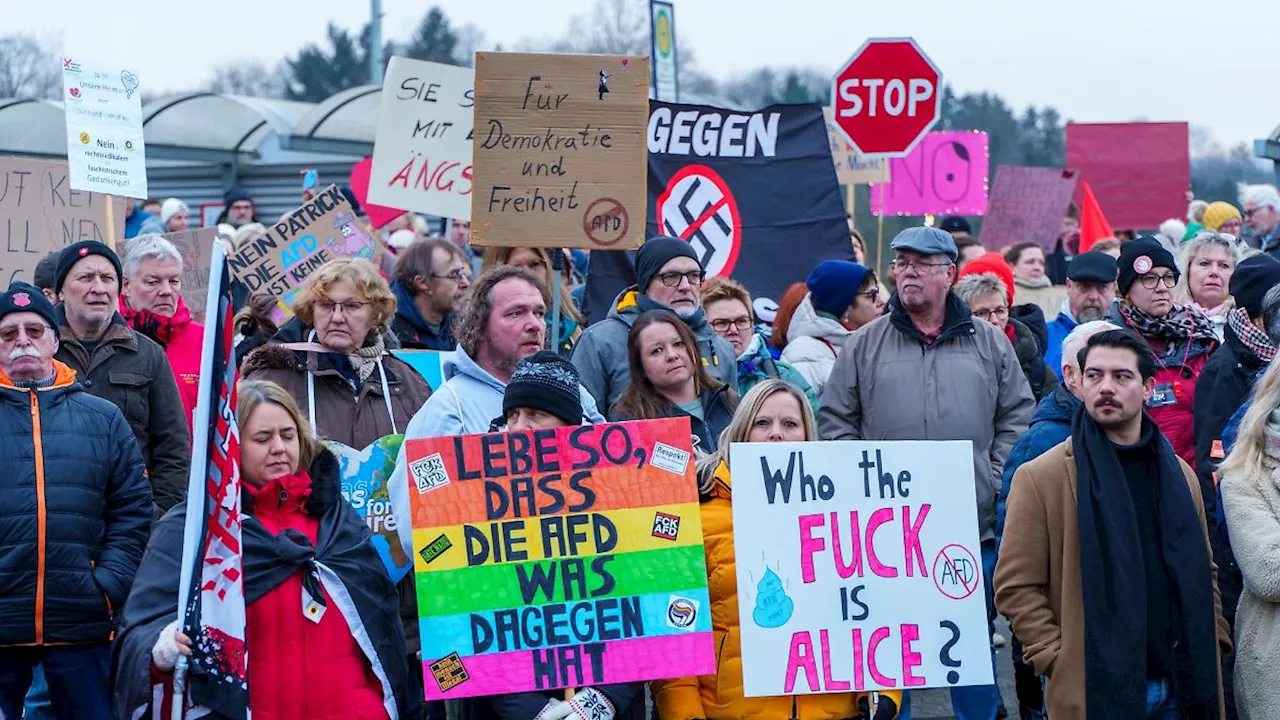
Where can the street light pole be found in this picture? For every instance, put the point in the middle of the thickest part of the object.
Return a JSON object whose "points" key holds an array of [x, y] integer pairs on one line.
{"points": [[375, 42]]}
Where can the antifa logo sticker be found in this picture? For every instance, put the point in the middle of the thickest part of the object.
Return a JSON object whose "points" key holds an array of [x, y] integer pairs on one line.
{"points": [[682, 613], [697, 206]]}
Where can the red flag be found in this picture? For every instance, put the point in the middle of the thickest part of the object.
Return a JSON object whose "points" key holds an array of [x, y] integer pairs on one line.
{"points": [[1093, 224]]}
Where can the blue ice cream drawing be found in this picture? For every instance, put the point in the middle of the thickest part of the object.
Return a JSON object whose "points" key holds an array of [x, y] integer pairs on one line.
{"points": [[773, 607]]}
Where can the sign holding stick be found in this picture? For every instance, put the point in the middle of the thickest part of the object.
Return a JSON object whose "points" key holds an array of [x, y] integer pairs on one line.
{"points": [[870, 576], [558, 558], [560, 150]]}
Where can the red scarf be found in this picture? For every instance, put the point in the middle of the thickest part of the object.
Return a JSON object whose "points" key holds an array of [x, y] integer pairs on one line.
{"points": [[157, 327]]}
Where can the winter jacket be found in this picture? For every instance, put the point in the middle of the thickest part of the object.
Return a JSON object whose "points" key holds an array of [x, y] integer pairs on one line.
{"points": [[757, 364], [1029, 348], [601, 352], [1058, 330], [133, 373], [183, 341], [719, 696], [813, 344], [1038, 581], [1178, 367], [352, 663], [717, 413], [891, 383], [133, 223], [413, 330], [1050, 425], [75, 513], [1251, 500], [343, 413]]}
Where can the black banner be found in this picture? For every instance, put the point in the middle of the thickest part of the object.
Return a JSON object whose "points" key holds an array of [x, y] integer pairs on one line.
{"points": [[755, 193]]}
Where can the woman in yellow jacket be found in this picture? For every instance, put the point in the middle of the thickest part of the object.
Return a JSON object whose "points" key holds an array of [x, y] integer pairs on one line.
{"points": [[773, 411]]}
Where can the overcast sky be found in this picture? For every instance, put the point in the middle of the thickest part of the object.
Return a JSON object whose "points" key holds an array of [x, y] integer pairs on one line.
{"points": [[1209, 63]]}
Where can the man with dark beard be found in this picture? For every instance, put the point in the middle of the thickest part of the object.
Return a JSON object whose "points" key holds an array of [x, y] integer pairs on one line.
{"points": [[1091, 288]]}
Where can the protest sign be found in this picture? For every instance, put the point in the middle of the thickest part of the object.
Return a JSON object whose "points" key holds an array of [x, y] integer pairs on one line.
{"points": [[104, 128], [560, 150], [1027, 205], [946, 174], [558, 558], [196, 248], [1140, 172], [210, 212], [40, 214], [422, 152], [377, 215], [279, 262], [428, 363], [364, 474], [869, 575], [852, 167]]}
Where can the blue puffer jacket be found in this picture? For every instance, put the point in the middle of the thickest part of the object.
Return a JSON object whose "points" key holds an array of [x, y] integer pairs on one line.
{"points": [[75, 513], [1050, 426]]}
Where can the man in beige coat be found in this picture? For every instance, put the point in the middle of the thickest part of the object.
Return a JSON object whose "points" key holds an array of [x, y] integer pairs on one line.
{"points": [[1105, 571]]}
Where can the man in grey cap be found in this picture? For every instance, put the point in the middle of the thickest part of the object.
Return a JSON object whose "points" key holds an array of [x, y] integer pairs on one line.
{"points": [[927, 371]]}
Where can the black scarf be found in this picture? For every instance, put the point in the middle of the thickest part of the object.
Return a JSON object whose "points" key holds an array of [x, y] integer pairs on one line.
{"points": [[1114, 585]]}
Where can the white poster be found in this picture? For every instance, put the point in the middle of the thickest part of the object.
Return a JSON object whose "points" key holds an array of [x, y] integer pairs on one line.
{"points": [[104, 128], [422, 153], [859, 567], [663, 34]]}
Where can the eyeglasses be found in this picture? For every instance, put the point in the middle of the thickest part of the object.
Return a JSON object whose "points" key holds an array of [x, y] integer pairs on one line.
{"points": [[722, 325], [672, 279], [902, 264], [1151, 281], [989, 315], [871, 294], [349, 307], [456, 276], [34, 331]]}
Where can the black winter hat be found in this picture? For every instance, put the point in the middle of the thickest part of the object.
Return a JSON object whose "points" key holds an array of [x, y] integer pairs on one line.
{"points": [[1139, 257], [1253, 277], [547, 382], [955, 223], [235, 195], [656, 252], [46, 274], [21, 297], [73, 254]]}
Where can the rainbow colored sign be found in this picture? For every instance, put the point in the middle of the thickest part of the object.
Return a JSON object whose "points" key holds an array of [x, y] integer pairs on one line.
{"points": [[558, 558]]}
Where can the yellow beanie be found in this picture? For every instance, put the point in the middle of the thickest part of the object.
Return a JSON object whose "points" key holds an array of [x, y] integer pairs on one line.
{"points": [[1218, 213]]}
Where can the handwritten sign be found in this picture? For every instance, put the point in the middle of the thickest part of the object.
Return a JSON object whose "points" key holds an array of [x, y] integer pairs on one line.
{"points": [[560, 150], [104, 128], [559, 558], [40, 214], [1027, 204], [196, 248], [299, 243], [870, 575], [422, 152], [852, 167], [946, 174]]}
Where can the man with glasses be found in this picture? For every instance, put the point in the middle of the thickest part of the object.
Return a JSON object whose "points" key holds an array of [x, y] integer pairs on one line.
{"points": [[432, 278], [116, 363], [668, 277], [1261, 205], [75, 514], [929, 371]]}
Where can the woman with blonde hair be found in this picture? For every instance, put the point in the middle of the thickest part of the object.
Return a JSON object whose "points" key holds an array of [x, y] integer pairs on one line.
{"points": [[1206, 263], [772, 411], [538, 262]]}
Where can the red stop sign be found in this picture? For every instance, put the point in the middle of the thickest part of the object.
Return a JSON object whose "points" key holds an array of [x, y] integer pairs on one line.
{"points": [[887, 96]]}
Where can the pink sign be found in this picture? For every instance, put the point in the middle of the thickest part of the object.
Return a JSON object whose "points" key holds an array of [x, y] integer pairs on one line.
{"points": [[946, 174]]}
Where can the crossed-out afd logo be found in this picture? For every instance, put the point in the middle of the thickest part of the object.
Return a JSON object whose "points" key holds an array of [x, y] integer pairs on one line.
{"points": [[697, 206]]}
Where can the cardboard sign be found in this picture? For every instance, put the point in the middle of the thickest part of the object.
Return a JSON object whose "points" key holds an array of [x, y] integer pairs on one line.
{"points": [[427, 363], [364, 476], [104, 128], [560, 150], [870, 573], [852, 167], [559, 558], [196, 248], [40, 214], [422, 152], [946, 174], [1140, 172], [1027, 204], [297, 245]]}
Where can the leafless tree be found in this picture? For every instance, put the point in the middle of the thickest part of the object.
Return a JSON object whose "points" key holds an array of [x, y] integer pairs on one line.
{"points": [[29, 68], [253, 79]]}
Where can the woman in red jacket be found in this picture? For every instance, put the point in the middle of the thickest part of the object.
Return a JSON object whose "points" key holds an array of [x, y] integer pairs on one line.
{"points": [[322, 633]]}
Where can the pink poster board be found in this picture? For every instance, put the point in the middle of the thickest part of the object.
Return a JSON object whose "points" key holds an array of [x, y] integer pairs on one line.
{"points": [[946, 174]]}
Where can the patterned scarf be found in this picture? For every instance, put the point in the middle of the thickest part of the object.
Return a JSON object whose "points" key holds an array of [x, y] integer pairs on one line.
{"points": [[365, 360], [1182, 323], [1258, 342]]}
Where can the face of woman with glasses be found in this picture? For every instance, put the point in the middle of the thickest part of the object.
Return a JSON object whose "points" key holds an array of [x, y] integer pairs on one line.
{"points": [[867, 305], [344, 318], [1152, 293], [732, 321]]}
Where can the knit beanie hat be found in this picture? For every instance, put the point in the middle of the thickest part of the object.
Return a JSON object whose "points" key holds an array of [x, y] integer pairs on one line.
{"points": [[656, 252], [172, 207], [21, 297], [547, 382], [834, 285], [1139, 257], [1218, 213], [1253, 277], [76, 252], [994, 263]]}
